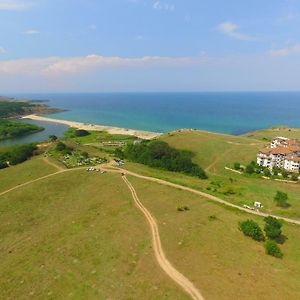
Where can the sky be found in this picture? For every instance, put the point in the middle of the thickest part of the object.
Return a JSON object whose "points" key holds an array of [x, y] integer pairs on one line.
{"points": [[149, 45]]}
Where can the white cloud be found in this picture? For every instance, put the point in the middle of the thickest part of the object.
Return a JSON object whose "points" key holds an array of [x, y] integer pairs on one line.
{"points": [[14, 4], [230, 29], [160, 5], [31, 32], [52, 66], [285, 51], [2, 50]]}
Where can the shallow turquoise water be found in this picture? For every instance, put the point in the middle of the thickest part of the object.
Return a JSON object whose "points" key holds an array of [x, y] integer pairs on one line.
{"points": [[233, 113]]}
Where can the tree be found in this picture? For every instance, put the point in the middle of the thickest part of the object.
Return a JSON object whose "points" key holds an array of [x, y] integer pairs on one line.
{"points": [[272, 227], [81, 132], [61, 146], [119, 153], [250, 169], [237, 166], [252, 229], [84, 154], [281, 199], [52, 138], [272, 249], [267, 172], [295, 177], [284, 173]]}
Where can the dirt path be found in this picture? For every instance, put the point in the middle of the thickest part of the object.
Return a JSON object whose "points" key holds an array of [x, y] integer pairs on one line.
{"points": [[47, 161], [38, 179], [158, 250], [208, 196]]}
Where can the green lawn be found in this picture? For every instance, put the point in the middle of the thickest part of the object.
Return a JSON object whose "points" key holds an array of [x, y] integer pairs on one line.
{"points": [[78, 235], [205, 244]]}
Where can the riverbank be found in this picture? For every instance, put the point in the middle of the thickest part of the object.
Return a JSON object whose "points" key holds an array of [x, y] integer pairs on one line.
{"points": [[147, 135]]}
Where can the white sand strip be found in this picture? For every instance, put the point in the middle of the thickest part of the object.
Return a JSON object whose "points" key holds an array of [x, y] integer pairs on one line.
{"points": [[147, 135]]}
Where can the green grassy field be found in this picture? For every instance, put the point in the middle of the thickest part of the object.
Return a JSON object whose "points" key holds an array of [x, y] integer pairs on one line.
{"points": [[215, 151], [217, 257], [268, 134], [77, 235], [29, 170]]}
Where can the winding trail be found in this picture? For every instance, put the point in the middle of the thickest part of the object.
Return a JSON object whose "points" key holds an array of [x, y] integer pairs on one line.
{"points": [[208, 196], [159, 252]]}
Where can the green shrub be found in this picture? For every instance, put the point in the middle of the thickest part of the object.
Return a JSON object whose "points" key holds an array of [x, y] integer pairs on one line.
{"points": [[295, 177], [267, 172], [272, 227], [237, 166], [252, 229], [250, 169], [3, 165], [272, 249], [281, 199], [81, 132]]}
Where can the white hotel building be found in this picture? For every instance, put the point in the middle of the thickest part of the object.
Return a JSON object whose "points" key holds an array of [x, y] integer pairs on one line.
{"points": [[282, 153]]}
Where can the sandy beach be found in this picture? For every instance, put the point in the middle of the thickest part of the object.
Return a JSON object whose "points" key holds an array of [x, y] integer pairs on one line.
{"points": [[147, 135]]}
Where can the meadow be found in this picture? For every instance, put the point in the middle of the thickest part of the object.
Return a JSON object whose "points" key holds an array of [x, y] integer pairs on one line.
{"points": [[77, 235], [206, 244]]}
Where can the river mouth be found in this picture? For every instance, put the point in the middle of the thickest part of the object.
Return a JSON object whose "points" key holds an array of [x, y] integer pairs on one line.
{"points": [[49, 129]]}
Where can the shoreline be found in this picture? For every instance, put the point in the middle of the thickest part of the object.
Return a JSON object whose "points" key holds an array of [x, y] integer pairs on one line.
{"points": [[146, 135]]}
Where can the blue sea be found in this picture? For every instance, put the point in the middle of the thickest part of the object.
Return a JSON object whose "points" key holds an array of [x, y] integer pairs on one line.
{"points": [[233, 113]]}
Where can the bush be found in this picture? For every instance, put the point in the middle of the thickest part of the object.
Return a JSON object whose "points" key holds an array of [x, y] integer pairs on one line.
{"points": [[60, 146], [237, 166], [272, 249], [159, 154], [281, 199], [284, 174], [183, 208], [250, 169], [252, 229], [272, 227], [81, 132], [52, 138], [267, 172], [3, 165], [295, 177]]}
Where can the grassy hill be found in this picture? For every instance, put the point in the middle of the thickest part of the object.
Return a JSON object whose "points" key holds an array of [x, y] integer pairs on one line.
{"points": [[214, 151], [77, 235], [205, 243], [269, 133]]}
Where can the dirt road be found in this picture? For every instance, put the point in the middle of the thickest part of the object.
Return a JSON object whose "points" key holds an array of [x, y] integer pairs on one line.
{"points": [[158, 250], [208, 196]]}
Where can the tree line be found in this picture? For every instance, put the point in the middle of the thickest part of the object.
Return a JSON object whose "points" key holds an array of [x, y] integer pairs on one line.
{"points": [[159, 154]]}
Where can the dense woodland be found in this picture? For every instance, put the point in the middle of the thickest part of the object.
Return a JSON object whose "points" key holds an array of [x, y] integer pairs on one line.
{"points": [[13, 129], [15, 154], [159, 154]]}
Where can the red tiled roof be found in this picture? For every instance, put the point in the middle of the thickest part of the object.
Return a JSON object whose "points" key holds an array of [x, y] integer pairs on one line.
{"points": [[293, 158]]}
